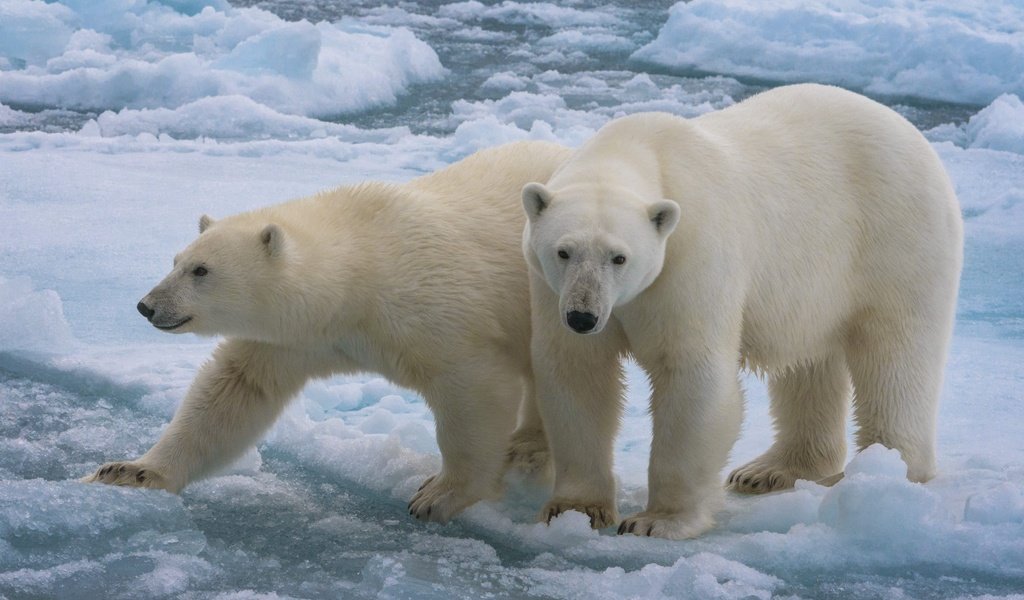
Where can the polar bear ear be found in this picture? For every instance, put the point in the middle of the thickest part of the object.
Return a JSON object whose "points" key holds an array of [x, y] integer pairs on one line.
{"points": [[536, 198], [664, 215], [204, 223], [273, 240]]}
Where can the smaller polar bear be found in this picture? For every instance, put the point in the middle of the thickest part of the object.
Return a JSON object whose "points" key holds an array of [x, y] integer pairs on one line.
{"points": [[808, 233], [422, 282]]}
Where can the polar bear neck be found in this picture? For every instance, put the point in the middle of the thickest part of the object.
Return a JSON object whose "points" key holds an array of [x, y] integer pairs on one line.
{"points": [[639, 152]]}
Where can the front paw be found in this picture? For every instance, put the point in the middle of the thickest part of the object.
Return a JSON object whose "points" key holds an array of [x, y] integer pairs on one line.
{"points": [[672, 526], [128, 474], [602, 514], [438, 499]]}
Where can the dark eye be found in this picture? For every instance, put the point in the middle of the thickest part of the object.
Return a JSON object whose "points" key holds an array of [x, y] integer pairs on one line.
{"points": [[619, 260], [199, 271], [563, 255]]}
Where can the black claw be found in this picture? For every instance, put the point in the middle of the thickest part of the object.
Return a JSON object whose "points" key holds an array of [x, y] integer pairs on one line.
{"points": [[105, 470], [746, 481], [649, 530], [632, 526], [429, 510], [622, 528], [140, 476], [756, 485]]}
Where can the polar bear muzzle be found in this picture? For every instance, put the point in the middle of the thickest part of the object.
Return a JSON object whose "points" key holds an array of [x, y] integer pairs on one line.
{"points": [[581, 322]]}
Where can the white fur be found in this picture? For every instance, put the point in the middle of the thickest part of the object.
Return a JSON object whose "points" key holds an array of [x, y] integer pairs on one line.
{"points": [[818, 240], [422, 282]]}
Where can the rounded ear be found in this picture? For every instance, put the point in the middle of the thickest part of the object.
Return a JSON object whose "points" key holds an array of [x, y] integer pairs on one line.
{"points": [[272, 237], [204, 223], [536, 198], [664, 215]]}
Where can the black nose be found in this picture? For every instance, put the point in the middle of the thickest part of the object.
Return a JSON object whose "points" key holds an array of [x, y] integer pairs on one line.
{"points": [[145, 310], [581, 322]]}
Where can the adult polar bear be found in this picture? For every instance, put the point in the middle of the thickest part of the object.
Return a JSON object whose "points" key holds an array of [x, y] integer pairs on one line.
{"points": [[422, 282], [808, 232]]}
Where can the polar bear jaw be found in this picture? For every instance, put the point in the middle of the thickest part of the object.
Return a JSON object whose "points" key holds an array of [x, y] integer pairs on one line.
{"points": [[220, 284], [595, 255]]}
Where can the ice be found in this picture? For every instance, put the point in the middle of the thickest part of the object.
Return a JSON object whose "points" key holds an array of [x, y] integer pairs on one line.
{"points": [[999, 126], [32, 31], [943, 50], [537, 107], [876, 501], [222, 118], [31, 319], [877, 461], [780, 512], [1001, 504], [96, 198], [529, 13], [504, 81], [701, 576], [590, 40], [106, 55]]}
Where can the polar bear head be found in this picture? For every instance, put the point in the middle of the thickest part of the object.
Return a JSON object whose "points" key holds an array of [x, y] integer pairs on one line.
{"points": [[597, 247], [223, 283]]}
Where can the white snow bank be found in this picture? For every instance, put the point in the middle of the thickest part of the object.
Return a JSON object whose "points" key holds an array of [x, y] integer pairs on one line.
{"points": [[704, 575], [106, 54], [227, 118], [999, 126], [31, 319], [536, 108], [530, 13], [943, 49], [990, 187]]}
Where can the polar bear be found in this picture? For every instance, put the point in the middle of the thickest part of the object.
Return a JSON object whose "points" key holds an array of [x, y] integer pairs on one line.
{"points": [[807, 233], [423, 282]]}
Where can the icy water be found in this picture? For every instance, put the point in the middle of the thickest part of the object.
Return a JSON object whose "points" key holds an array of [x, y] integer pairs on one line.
{"points": [[547, 48], [113, 142]]}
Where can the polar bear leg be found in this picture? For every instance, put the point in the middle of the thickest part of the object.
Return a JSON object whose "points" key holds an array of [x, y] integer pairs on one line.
{"points": [[808, 406], [234, 399], [528, 450], [697, 409], [897, 376], [475, 411], [579, 381]]}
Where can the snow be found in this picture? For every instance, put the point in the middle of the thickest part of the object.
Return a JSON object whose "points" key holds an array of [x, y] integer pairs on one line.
{"points": [[109, 54], [96, 198], [529, 13], [999, 126], [943, 49], [31, 319]]}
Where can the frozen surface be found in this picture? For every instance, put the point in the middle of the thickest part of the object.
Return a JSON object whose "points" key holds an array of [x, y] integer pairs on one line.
{"points": [[103, 54], [95, 201], [1000, 126], [943, 49]]}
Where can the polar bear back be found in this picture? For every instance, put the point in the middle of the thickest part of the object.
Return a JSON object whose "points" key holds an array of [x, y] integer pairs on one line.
{"points": [[412, 267], [817, 204]]}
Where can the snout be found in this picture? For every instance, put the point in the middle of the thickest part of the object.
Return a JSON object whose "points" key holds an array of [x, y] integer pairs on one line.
{"points": [[581, 322], [157, 313], [145, 310]]}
